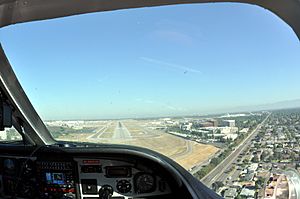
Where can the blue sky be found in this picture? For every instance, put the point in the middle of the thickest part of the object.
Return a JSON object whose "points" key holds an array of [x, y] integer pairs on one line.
{"points": [[171, 60]]}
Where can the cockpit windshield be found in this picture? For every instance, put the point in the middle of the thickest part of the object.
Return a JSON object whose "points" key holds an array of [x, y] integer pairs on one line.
{"points": [[192, 82]]}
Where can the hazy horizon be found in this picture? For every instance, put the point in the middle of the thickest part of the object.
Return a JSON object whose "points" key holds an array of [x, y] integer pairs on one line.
{"points": [[261, 107]]}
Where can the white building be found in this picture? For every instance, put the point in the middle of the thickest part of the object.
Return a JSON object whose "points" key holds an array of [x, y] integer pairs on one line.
{"points": [[244, 130], [253, 167], [229, 123], [231, 136], [230, 193], [248, 193], [223, 130]]}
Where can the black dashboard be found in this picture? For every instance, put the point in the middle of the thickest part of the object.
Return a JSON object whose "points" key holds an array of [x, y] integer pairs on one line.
{"points": [[52, 172]]}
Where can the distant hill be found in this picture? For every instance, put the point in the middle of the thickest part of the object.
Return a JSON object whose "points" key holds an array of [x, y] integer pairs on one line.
{"points": [[271, 106], [284, 104]]}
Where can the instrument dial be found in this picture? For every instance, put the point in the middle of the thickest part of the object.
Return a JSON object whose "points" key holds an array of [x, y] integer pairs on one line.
{"points": [[9, 166], [144, 183], [28, 168], [123, 186]]}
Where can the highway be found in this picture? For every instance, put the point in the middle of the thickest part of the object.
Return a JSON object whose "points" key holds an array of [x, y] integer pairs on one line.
{"points": [[218, 171]]}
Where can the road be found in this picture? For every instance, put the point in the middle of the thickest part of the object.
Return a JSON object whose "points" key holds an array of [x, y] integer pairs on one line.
{"points": [[218, 171], [121, 132]]}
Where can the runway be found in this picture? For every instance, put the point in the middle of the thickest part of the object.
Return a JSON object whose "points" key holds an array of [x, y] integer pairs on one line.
{"points": [[121, 132]]}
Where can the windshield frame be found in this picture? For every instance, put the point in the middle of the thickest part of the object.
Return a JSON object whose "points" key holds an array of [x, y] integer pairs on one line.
{"points": [[33, 10]]}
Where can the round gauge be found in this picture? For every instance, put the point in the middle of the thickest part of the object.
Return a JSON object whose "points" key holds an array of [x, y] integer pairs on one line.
{"points": [[144, 183], [28, 168], [123, 186], [9, 166]]}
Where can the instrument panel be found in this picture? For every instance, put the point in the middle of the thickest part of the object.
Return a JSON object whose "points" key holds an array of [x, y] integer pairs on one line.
{"points": [[124, 179], [56, 179], [79, 177]]}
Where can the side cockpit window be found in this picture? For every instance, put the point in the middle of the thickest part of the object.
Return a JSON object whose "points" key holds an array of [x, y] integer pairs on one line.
{"points": [[9, 135]]}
